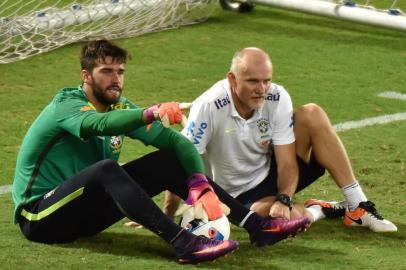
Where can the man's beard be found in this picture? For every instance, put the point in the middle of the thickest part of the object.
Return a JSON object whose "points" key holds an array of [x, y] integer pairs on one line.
{"points": [[102, 96]]}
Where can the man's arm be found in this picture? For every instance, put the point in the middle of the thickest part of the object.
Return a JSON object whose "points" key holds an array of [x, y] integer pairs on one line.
{"points": [[125, 121], [200, 191], [199, 113], [288, 175], [184, 149], [112, 123]]}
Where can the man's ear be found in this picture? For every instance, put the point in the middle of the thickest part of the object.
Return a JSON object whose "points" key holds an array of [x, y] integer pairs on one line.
{"points": [[86, 76], [232, 80]]}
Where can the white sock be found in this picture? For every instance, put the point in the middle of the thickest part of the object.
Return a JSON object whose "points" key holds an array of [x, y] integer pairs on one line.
{"points": [[315, 212], [354, 195]]}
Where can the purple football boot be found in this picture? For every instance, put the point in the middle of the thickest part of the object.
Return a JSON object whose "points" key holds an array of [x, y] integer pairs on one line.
{"points": [[194, 249], [268, 230]]}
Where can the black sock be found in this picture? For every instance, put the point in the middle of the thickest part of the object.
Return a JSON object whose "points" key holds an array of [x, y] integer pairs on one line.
{"points": [[182, 241], [252, 222]]}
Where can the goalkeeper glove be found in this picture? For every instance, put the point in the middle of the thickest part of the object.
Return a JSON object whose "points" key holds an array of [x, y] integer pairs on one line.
{"points": [[202, 197], [168, 113]]}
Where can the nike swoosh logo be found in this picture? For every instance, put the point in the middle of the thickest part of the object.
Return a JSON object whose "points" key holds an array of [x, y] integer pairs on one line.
{"points": [[358, 220], [273, 229], [213, 249], [229, 130]]}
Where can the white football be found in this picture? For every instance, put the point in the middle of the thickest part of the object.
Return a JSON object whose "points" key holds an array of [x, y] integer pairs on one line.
{"points": [[218, 229]]}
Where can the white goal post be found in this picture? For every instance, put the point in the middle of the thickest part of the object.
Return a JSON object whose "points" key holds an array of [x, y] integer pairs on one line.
{"points": [[358, 11], [29, 27]]}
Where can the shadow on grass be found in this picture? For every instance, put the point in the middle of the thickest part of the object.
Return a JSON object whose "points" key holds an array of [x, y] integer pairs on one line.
{"points": [[324, 242], [141, 245], [303, 249]]}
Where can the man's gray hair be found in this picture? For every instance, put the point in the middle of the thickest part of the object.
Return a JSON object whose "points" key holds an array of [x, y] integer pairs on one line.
{"points": [[235, 62], [238, 58]]}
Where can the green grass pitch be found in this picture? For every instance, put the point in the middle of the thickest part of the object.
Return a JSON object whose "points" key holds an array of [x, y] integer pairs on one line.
{"points": [[340, 65]]}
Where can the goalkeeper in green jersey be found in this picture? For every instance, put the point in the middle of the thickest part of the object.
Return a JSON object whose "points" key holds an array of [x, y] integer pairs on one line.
{"points": [[69, 185]]}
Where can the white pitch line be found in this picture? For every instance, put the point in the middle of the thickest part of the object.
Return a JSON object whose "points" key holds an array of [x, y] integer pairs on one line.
{"points": [[392, 95], [379, 120], [5, 189]]}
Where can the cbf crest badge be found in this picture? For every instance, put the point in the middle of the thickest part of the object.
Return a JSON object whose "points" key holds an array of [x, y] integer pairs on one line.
{"points": [[115, 144], [264, 136], [263, 125]]}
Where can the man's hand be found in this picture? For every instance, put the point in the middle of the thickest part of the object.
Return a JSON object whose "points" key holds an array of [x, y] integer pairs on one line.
{"points": [[279, 210], [168, 113], [200, 192]]}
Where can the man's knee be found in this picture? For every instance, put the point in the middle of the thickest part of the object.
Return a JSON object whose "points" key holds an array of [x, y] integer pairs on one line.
{"points": [[310, 115], [108, 165], [104, 170]]}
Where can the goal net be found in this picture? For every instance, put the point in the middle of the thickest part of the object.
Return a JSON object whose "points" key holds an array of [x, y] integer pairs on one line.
{"points": [[383, 13], [29, 27]]}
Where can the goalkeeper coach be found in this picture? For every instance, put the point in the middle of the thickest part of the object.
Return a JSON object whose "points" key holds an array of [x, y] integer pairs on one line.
{"points": [[69, 185]]}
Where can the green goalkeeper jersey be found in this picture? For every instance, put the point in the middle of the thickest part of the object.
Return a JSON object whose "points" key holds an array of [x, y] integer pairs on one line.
{"points": [[70, 135]]}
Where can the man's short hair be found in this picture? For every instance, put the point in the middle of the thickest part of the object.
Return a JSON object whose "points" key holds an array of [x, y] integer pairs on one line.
{"points": [[239, 56], [96, 52]]}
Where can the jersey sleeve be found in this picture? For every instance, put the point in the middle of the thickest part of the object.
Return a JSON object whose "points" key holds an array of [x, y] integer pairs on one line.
{"points": [[184, 149], [283, 121], [70, 112], [80, 118], [146, 134], [199, 125]]}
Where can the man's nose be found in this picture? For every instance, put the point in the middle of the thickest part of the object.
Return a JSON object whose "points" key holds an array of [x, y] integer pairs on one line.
{"points": [[115, 77], [262, 87]]}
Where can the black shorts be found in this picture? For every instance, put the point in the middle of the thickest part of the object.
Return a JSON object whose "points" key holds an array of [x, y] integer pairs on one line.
{"points": [[308, 173]]}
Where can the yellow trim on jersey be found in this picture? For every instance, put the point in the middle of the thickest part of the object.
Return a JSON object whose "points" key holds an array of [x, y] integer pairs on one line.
{"points": [[52, 208], [88, 107]]}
